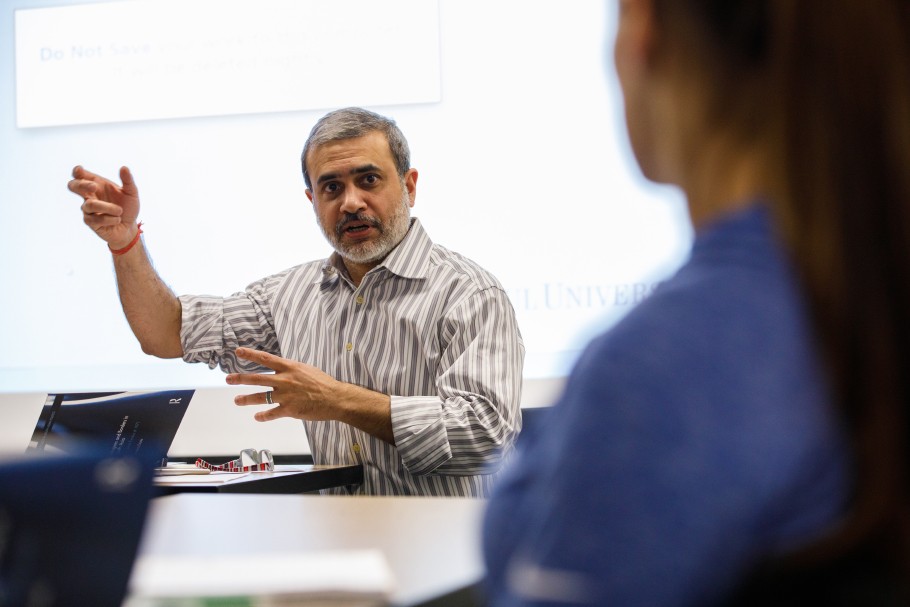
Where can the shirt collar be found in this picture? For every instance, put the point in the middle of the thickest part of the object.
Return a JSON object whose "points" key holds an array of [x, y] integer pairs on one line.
{"points": [[408, 260]]}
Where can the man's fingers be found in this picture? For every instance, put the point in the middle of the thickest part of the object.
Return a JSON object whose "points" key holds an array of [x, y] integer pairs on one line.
{"points": [[81, 173], [250, 379], [82, 187], [260, 399], [89, 185], [129, 184], [265, 359], [93, 206], [270, 414]]}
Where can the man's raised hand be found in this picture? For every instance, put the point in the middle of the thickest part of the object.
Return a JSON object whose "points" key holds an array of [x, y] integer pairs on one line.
{"points": [[109, 209]]}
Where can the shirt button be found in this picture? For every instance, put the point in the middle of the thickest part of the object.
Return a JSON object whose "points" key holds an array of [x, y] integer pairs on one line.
{"points": [[359, 300], [355, 448], [349, 346]]}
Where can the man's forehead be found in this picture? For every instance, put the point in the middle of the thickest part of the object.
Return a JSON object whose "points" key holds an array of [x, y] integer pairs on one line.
{"points": [[345, 154]]}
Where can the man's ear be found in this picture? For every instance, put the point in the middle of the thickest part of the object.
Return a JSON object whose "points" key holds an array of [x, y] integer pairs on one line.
{"points": [[410, 183], [309, 195]]}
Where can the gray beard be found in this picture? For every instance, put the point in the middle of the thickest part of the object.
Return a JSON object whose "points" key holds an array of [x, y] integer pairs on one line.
{"points": [[390, 234]]}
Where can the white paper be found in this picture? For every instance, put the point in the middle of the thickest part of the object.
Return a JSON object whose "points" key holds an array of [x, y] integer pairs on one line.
{"points": [[328, 574], [213, 478]]}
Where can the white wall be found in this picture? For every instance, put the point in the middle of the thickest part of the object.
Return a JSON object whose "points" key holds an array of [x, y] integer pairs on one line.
{"points": [[516, 128]]}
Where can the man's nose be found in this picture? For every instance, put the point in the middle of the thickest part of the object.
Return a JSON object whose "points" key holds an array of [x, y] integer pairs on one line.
{"points": [[352, 201]]}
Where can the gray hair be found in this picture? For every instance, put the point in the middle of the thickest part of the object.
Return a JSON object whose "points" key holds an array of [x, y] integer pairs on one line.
{"points": [[352, 122]]}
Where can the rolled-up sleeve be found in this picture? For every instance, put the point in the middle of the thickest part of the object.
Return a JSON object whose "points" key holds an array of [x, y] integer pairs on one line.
{"points": [[213, 328], [472, 422]]}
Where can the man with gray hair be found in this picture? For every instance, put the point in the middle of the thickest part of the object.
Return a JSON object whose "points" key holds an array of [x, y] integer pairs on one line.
{"points": [[396, 353]]}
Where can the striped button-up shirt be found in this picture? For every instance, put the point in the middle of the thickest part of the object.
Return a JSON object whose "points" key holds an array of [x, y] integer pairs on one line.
{"points": [[427, 326]]}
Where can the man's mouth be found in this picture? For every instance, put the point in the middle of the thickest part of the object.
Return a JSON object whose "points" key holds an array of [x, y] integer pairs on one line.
{"points": [[356, 228]]}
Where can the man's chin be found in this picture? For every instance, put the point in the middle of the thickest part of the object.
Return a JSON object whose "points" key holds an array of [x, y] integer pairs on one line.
{"points": [[361, 254]]}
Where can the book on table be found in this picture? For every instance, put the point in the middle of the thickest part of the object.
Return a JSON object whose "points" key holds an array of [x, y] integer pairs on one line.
{"points": [[123, 422]]}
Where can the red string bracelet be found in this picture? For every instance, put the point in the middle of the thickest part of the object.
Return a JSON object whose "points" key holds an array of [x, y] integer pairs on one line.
{"points": [[131, 244]]}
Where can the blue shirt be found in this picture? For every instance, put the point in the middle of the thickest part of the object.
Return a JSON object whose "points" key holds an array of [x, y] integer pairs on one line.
{"points": [[693, 439]]}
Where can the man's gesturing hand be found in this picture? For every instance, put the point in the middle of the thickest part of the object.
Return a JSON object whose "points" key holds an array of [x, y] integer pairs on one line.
{"points": [[109, 209], [305, 392], [298, 390]]}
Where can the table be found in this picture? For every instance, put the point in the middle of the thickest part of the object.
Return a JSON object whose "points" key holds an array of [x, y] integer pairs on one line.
{"points": [[301, 478], [432, 544]]}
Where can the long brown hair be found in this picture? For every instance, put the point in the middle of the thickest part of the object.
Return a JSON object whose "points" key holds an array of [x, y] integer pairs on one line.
{"points": [[824, 87]]}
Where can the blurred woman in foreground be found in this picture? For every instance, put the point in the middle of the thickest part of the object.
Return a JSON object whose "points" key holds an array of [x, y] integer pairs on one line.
{"points": [[742, 436]]}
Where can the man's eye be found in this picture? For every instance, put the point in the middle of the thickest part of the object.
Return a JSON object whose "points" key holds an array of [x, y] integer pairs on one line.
{"points": [[331, 188], [371, 179]]}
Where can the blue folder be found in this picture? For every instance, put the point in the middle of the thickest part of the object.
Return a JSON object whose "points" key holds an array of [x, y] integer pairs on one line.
{"points": [[70, 526]]}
